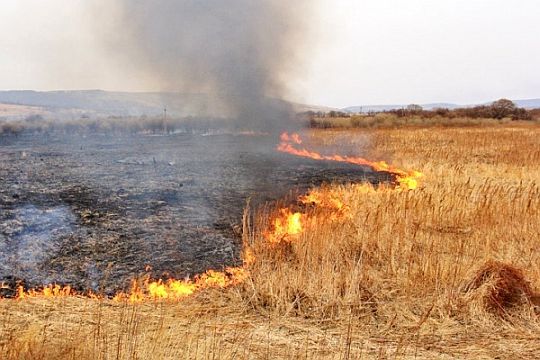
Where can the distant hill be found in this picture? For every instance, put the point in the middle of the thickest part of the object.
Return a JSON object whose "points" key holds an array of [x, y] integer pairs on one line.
{"points": [[527, 104], [99, 103], [103, 103]]}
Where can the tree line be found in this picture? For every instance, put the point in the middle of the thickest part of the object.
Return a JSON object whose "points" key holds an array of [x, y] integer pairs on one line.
{"points": [[500, 109]]}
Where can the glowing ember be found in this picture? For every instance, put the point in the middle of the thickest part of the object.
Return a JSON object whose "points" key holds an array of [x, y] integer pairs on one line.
{"points": [[405, 180]]}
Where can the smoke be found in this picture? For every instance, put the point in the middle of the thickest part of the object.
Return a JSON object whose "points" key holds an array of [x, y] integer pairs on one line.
{"points": [[28, 234], [244, 53]]}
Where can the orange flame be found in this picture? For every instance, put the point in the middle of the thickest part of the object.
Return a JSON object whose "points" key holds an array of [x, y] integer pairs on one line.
{"points": [[47, 291], [248, 257], [179, 289], [151, 290], [286, 226], [328, 200], [405, 180], [294, 138]]}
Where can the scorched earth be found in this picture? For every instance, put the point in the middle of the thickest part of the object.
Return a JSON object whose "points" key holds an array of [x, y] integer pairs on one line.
{"points": [[96, 211]]}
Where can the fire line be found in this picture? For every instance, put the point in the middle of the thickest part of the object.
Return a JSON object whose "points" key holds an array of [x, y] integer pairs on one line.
{"points": [[287, 226], [405, 180]]}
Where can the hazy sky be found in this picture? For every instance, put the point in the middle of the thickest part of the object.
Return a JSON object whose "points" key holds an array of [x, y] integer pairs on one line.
{"points": [[360, 51]]}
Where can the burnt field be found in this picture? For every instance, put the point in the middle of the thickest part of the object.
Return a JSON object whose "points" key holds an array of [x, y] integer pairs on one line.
{"points": [[96, 211]]}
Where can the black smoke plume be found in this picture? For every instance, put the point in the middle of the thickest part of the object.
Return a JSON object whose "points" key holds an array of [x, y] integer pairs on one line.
{"points": [[242, 53]]}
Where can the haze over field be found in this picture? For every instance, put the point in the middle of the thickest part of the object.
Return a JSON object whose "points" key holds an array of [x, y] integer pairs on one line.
{"points": [[354, 53]]}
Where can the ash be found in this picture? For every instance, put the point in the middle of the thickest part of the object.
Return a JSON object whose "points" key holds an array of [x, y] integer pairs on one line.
{"points": [[93, 212]]}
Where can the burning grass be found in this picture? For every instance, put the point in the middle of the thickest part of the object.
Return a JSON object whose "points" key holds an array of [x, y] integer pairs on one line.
{"points": [[406, 180], [447, 269]]}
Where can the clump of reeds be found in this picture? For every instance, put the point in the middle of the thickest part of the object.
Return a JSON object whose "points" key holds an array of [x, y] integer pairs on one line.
{"points": [[498, 288]]}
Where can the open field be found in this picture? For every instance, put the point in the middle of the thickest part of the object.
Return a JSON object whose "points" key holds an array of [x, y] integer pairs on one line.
{"points": [[449, 270]]}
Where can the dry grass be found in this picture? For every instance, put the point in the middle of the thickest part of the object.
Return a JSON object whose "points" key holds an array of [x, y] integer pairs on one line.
{"points": [[392, 121], [449, 270]]}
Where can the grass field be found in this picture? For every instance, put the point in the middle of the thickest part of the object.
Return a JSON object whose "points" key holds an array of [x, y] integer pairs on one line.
{"points": [[449, 270]]}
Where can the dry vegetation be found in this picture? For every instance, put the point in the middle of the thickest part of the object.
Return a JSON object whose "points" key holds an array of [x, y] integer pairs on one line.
{"points": [[449, 270], [118, 125], [500, 112], [10, 110], [391, 120]]}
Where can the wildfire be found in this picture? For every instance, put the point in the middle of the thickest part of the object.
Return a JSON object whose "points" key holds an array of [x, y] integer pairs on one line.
{"points": [[287, 226], [47, 292], [405, 180], [294, 138], [248, 257], [180, 289], [325, 199], [151, 290]]}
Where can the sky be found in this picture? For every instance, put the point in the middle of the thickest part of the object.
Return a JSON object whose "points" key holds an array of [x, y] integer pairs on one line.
{"points": [[357, 52]]}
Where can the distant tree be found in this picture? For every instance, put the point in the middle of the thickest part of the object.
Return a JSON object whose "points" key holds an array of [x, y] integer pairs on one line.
{"points": [[442, 112], [503, 108], [398, 112], [34, 118], [414, 108], [475, 112], [337, 114], [522, 114], [534, 114]]}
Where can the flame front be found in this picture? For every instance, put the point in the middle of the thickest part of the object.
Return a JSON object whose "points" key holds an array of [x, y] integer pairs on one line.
{"points": [[48, 291], [325, 199], [180, 289], [286, 226], [405, 180]]}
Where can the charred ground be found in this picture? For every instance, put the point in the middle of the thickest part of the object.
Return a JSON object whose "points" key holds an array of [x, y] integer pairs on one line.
{"points": [[94, 211]]}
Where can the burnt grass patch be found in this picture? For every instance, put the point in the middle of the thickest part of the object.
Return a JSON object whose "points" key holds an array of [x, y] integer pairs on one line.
{"points": [[96, 211]]}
